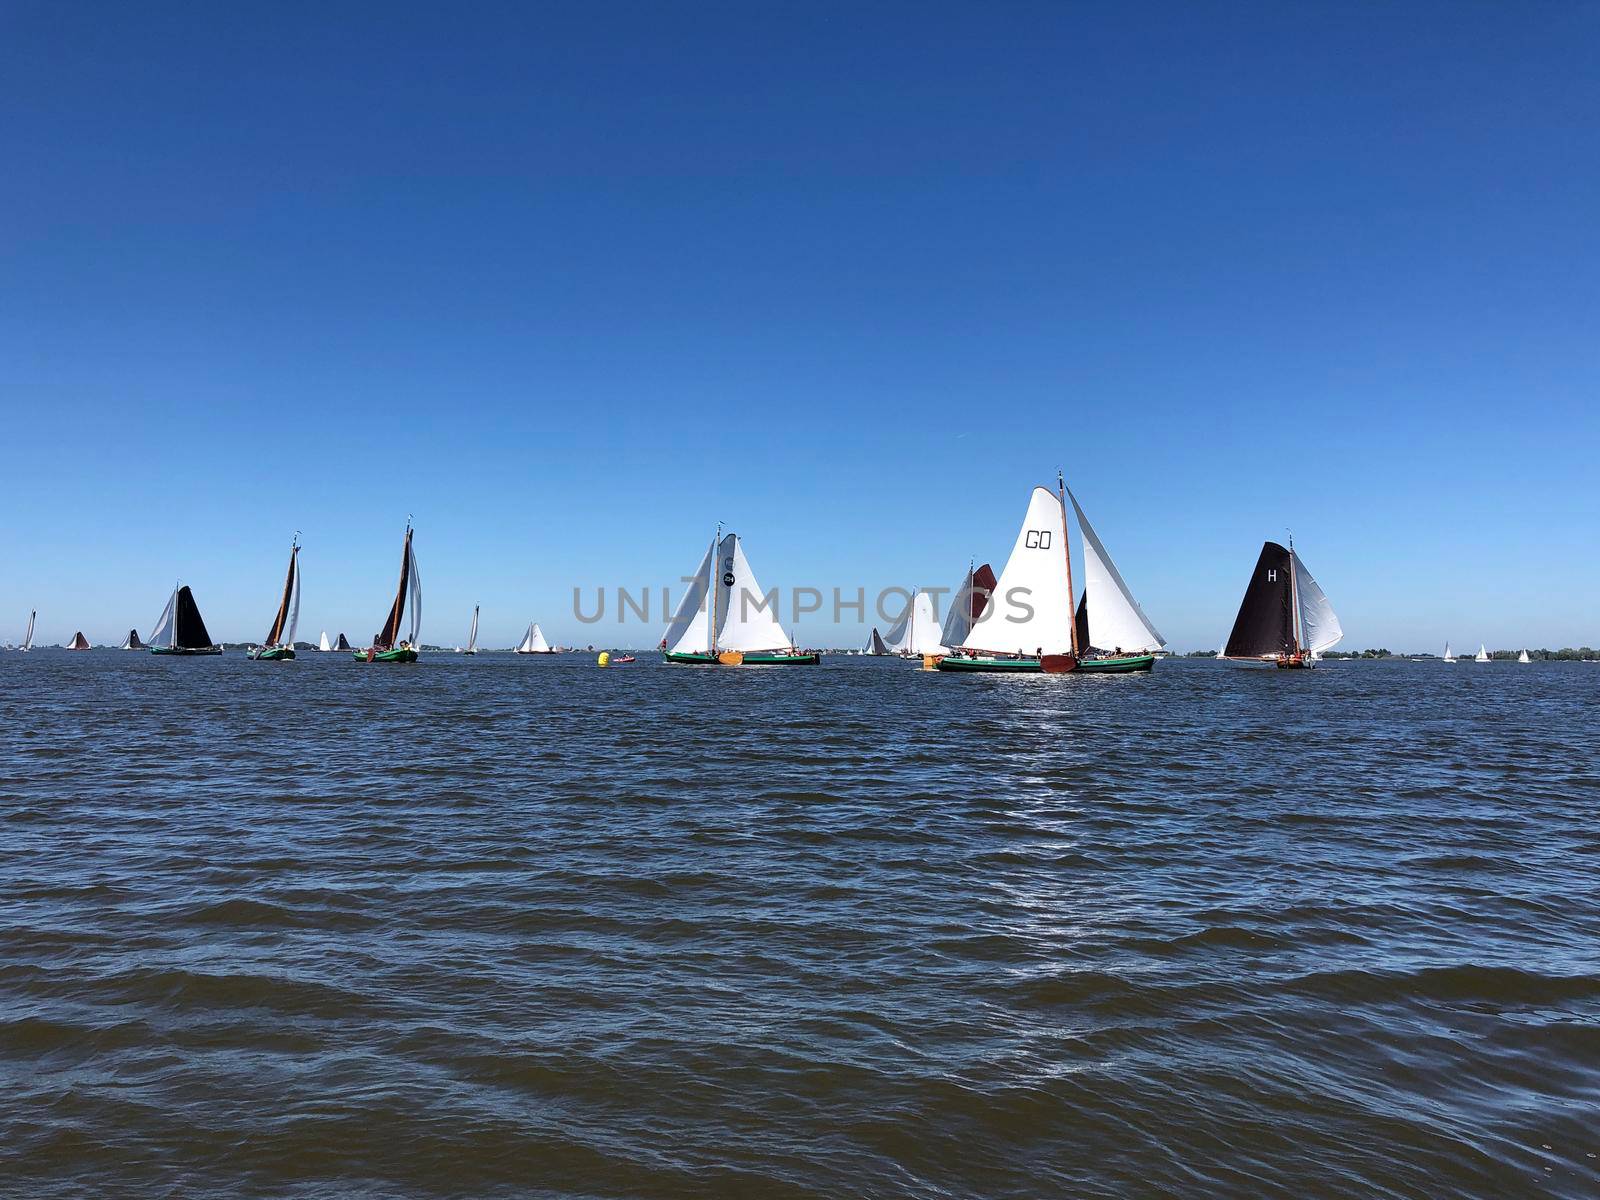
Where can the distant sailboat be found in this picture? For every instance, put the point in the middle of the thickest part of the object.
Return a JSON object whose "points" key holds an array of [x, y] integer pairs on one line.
{"points": [[279, 644], [1448, 657], [875, 644], [342, 644], [533, 641], [1523, 657], [79, 642], [724, 616], [1113, 633], [324, 646], [27, 638], [132, 642], [916, 633], [1285, 618], [181, 630], [1482, 655], [971, 597], [388, 646], [472, 634]]}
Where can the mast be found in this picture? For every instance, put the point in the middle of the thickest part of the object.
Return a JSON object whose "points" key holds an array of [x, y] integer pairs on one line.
{"points": [[712, 591], [1294, 597], [1066, 548]]}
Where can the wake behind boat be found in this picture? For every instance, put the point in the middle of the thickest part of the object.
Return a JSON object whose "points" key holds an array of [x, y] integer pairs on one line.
{"points": [[279, 643], [387, 645], [181, 630], [724, 617], [1285, 620]]}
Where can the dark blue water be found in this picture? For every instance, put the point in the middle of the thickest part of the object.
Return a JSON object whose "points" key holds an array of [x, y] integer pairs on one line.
{"points": [[498, 926]]}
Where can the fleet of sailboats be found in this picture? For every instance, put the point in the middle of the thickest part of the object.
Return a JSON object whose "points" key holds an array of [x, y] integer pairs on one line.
{"points": [[387, 645], [181, 630], [725, 618], [1285, 620], [279, 643]]}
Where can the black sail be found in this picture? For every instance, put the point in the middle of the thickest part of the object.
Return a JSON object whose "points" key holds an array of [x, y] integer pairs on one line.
{"points": [[189, 629], [391, 627], [342, 644], [279, 621], [133, 640], [1265, 624], [1082, 622]]}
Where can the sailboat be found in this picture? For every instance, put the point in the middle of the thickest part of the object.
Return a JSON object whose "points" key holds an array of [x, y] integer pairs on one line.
{"points": [[1482, 655], [1027, 624], [27, 638], [279, 644], [472, 634], [971, 597], [917, 633], [875, 644], [181, 630], [1448, 657], [324, 645], [1113, 634], [132, 642], [79, 642], [1284, 619], [1523, 657], [387, 646], [724, 617], [342, 644], [533, 641]]}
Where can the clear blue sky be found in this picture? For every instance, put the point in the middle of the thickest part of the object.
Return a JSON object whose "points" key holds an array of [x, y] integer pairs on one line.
{"points": [[572, 283]]}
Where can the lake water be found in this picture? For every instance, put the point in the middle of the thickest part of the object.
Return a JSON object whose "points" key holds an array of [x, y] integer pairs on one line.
{"points": [[504, 926]]}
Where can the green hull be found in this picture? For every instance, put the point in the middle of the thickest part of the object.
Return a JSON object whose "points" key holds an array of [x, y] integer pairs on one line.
{"points": [[1120, 665], [276, 654], [1010, 666], [185, 652], [750, 660], [694, 660], [402, 655]]}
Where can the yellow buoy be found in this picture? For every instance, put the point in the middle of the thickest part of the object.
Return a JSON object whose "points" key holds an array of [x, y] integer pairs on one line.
{"points": [[605, 658]]}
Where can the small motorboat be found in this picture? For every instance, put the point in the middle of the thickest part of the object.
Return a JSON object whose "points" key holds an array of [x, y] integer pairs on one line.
{"points": [[625, 658]]}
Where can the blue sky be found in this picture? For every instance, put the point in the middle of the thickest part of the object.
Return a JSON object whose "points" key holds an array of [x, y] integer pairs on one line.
{"points": [[573, 283]]}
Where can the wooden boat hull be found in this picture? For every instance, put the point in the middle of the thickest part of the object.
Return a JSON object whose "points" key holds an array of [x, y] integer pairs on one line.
{"points": [[1003, 666], [1122, 664], [748, 660], [403, 654], [184, 651], [693, 660], [273, 654]]}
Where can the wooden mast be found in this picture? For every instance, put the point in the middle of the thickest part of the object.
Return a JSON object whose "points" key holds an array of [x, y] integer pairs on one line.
{"points": [[1294, 598], [1066, 548]]}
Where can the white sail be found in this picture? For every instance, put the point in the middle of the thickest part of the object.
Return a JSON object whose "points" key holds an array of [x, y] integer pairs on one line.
{"points": [[1482, 655], [472, 635], [747, 617], [1319, 626], [917, 632], [294, 607], [536, 642], [526, 645], [416, 599], [898, 638], [958, 621], [1448, 657], [27, 638], [1115, 619], [690, 630], [166, 633], [324, 644], [1523, 657], [1031, 609]]}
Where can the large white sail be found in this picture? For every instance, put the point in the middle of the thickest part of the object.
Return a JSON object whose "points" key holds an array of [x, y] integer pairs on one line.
{"points": [[747, 620], [536, 642], [472, 634], [166, 630], [526, 645], [416, 598], [323, 645], [1031, 609], [690, 630], [1319, 625], [918, 631], [1115, 619], [294, 605]]}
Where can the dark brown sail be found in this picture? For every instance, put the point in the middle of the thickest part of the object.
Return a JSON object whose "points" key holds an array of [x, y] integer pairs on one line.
{"points": [[1082, 621], [1265, 625], [391, 628], [342, 643], [189, 630], [278, 622]]}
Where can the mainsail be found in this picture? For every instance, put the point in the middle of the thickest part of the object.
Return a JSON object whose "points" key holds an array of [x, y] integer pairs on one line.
{"points": [[288, 615], [875, 643], [78, 642], [1482, 655], [746, 616], [163, 634], [323, 644], [917, 632], [973, 594], [472, 634], [1031, 609], [691, 628], [1109, 617], [188, 629], [533, 642], [1448, 657], [1319, 625], [410, 587], [27, 638], [1265, 624], [132, 642], [342, 644]]}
